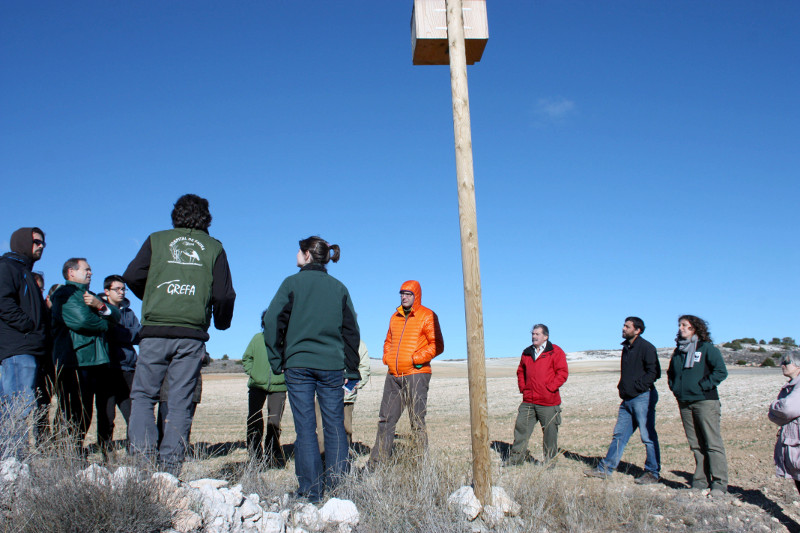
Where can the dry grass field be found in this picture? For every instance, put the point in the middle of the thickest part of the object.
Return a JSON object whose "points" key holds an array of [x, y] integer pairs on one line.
{"points": [[758, 501]]}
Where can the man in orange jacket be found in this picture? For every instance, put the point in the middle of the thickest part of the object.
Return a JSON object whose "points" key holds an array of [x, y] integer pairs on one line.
{"points": [[413, 340]]}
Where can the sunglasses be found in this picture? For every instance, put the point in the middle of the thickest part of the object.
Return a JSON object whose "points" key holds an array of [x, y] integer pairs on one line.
{"points": [[39, 242]]}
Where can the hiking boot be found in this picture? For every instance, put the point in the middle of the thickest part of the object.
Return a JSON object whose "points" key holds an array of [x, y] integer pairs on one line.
{"points": [[648, 478], [718, 493], [596, 472]]}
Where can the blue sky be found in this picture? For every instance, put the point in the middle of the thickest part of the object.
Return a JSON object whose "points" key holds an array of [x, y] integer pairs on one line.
{"points": [[631, 158]]}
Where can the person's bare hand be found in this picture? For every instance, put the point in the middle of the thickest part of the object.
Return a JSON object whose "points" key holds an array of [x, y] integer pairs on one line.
{"points": [[92, 301]]}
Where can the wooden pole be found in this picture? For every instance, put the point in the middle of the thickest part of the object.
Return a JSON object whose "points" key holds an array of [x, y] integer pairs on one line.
{"points": [[473, 308]]}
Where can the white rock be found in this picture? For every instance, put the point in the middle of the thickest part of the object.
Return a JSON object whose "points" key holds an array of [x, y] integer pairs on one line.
{"points": [[466, 501], [232, 497], [501, 499], [255, 498], [95, 474], [164, 478], [336, 511], [306, 516], [11, 470], [123, 474], [272, 523], [214, 483], [249, 509], [186, 521], [492, 516], [344, 528]]}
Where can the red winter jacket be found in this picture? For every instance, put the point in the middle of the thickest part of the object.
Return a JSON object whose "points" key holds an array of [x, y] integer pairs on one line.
{"points": [[540, 380]]}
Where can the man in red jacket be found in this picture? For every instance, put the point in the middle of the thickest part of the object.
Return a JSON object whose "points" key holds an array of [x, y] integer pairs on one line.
{"points": [[542, 370]]}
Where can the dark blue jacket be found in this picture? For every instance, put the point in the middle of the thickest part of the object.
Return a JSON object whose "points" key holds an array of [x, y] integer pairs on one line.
{"points": [[23, 324], [122, 336]]}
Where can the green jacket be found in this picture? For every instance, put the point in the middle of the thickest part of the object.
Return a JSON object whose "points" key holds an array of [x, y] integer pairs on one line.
{"points": [[79, 331], [699, 382], [256, 365], [180, 278], [310, 323]]}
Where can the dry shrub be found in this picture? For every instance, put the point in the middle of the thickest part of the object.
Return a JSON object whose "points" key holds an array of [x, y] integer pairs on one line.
{"points": [[407, 493], [54, 499]]}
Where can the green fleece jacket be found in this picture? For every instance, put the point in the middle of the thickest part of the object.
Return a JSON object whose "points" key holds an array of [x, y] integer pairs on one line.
{"points": [[79, 331], [256, 365], [310, 323], [699, 382]]}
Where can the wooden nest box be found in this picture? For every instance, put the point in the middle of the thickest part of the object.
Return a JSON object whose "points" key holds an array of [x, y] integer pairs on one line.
{"points": [[429, 31]]}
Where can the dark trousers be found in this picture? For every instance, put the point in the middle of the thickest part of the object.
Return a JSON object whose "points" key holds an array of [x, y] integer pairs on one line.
{"points": [[259, 446], [78, 389], [399, 393], [45, 391], [119, 385], [180, 360]]}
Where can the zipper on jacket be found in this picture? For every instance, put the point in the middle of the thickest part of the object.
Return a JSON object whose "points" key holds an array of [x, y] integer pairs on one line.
{"points": [[397, 355]]}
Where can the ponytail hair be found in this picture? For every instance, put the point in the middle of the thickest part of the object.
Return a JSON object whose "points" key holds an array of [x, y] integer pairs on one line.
{"points": [[321, 252]]}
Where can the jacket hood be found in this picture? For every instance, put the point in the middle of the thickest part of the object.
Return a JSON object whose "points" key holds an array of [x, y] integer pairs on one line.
{"points": [[22, 243], [413, 286]]}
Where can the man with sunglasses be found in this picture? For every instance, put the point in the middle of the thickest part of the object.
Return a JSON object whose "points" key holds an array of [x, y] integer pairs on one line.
{"points": [[23, 337]]}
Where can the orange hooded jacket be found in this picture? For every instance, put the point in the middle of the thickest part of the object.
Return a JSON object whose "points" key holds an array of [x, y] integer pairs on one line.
{"points": [[412, 339]]}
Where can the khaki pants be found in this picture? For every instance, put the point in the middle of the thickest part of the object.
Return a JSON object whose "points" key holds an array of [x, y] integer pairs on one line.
{"points": [[527, 417], [701, 423], [399, 393]]}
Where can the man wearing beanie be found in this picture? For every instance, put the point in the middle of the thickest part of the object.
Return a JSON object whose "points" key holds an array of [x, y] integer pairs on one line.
{"points": [[23, 333]]}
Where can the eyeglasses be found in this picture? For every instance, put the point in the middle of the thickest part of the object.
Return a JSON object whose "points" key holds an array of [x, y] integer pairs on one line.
{"points": [[117, 289], [39, 242], [406, 293]]}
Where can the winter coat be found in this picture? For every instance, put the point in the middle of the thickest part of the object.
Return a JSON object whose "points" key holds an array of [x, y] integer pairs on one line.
{"points": [[256, 365], [785, 412], [540, 380], [639, 368], [699, 382], [413, 340], [311, 323], [23, 324], [122, 336], [79, 331]]}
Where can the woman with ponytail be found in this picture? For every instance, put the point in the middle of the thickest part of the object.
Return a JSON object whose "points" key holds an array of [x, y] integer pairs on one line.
{"points": [[312, 338]]}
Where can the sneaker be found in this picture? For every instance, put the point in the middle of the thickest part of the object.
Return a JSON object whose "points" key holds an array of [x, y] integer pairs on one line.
{"points": [[596, 472], [718, 493], [648, 478]]}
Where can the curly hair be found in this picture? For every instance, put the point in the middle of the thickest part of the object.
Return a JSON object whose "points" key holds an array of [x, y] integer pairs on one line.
{"points": [[700, 327], [191, 211]]}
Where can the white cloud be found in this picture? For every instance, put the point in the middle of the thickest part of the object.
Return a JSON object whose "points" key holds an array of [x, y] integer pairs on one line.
{"points": [[555, 108]]}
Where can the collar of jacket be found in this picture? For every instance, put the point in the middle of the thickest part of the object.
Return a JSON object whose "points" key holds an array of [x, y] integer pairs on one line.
{"points": [[14, 256], [82, 286], [402, 313], [314, 266], [124, 304], [548, 347]]}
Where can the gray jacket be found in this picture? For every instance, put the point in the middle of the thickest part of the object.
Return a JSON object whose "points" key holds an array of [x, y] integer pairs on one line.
{"points": [[785, 412]]}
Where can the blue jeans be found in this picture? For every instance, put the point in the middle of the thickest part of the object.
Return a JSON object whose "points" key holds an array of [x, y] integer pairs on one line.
{"points": [[302, 384], [17, 399], [638, 412]]}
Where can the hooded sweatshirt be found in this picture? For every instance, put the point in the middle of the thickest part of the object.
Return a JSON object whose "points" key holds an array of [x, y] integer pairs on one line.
{"points": [[414, 337], [23, 328]]}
